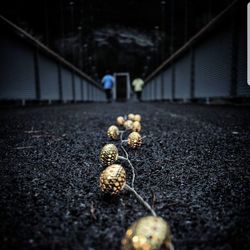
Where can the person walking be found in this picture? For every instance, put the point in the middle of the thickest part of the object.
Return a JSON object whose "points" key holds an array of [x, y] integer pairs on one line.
{"points": [[107, 83], [138, 86]]}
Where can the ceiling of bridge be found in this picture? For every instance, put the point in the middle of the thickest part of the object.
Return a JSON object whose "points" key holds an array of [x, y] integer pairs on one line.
{"points": [[95, 35]]}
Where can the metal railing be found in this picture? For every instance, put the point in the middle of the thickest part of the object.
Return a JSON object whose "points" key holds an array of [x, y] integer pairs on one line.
{"points": [[212, 64], [31, 71]]}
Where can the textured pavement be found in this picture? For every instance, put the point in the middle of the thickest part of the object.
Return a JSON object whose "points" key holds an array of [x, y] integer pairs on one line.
{"points": [[193, 168]]}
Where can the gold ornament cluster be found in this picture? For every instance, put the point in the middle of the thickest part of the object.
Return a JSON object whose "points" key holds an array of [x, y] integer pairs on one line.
{"points": [[149, 232]]}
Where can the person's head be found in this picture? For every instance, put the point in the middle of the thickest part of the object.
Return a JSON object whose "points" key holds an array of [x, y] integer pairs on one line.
{"points": [[107, 72]]}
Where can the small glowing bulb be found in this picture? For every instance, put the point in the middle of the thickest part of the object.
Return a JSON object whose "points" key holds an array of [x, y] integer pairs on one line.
{"points": [[136, 126], [150, 232], [134, 140], [113, 179], [120, 120], [113, 132], [137, 118], [109, 154], [128, 124], [131, 117]]}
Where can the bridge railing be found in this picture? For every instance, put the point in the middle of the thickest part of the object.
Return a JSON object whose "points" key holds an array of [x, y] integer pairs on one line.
{"points": [[31, 71], [212, 64]]}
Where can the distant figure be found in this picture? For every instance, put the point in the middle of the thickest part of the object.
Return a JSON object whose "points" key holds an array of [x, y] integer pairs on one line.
{"points": [[107, 83], [138, 85]]}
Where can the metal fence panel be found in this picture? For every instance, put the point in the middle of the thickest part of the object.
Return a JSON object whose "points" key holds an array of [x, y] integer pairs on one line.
{"points": [[81, 88], [145, 93], [183, 77], [93, 93], [17, 77], [49, 82], [78, 95], [101, 96], [167, 84], [158, 95], [67, 89], [243, 89], [148, 90], [29, 73], [97, 95], [90, 92], [85, 90], [213, 66], [152, 87]]}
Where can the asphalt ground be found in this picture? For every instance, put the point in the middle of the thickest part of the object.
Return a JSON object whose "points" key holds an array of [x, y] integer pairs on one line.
{"points": [[193, 168]]}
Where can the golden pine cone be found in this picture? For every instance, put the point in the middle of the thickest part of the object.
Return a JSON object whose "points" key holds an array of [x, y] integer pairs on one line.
{"points": [[128, 124], [134, 140], [120, 120], [131, 117], [149, 233], [113, 179], [136, 126], [109, 154], [137, 118], [113, 132]]}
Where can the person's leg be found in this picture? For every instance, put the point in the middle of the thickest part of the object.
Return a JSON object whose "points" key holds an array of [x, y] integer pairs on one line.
{"points": [[107, 94], [139, 95]]}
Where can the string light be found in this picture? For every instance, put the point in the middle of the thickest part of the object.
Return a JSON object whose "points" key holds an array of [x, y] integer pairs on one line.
{"points": [[120, 120], [109, 154], [147, 233], [113, 132], [113, 179], [128, 125], [137, 118], [131, 117], [136, 126], [134, 140]]}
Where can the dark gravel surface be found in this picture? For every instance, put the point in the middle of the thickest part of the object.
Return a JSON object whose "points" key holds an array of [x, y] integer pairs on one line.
{"points": [[193, 167]]}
